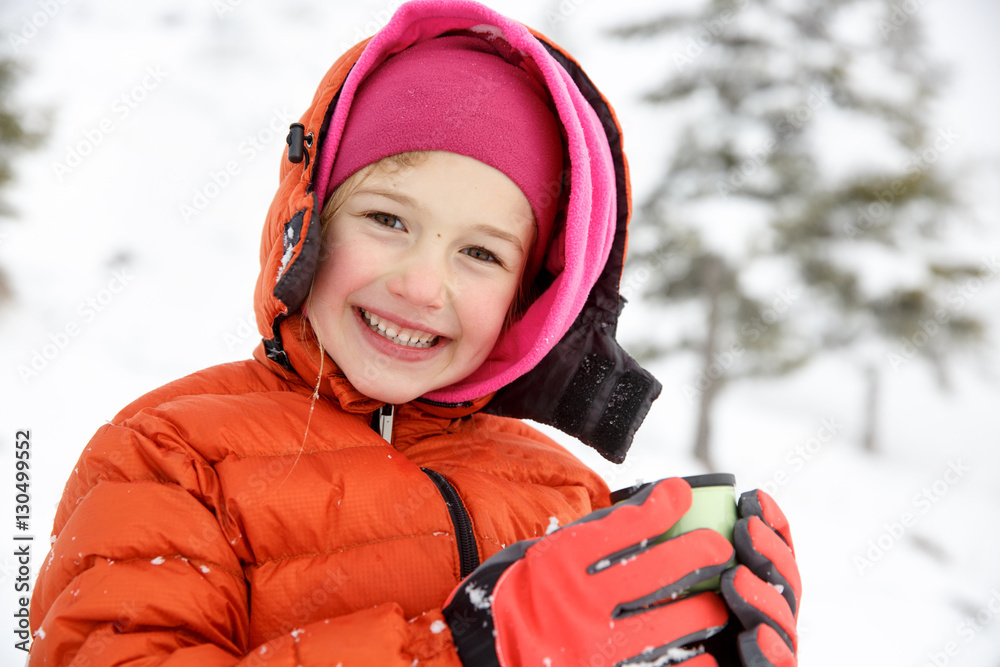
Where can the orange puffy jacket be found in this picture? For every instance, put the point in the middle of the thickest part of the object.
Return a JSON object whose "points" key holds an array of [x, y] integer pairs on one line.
{"points": [[233, 517], [197, 527]]}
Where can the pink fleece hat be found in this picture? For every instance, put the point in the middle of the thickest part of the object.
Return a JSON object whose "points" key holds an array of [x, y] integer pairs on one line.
{"points": [[576, 256], [457, 93]]}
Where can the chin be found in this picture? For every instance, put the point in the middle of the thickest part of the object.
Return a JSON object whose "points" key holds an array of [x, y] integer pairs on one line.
{"points": [[391, 395]]}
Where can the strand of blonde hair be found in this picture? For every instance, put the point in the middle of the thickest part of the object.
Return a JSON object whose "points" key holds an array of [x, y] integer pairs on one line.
{"points": [[312, 406]]}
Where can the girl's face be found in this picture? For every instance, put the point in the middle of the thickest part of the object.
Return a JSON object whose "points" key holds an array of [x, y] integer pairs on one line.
{"points": [[419, 269]]}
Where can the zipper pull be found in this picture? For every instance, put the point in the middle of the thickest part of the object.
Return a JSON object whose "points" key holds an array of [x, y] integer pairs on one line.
{"points": [[385, 414]]}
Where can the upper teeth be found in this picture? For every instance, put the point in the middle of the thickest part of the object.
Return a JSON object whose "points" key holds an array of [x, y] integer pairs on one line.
{"points": [[396, 333]]}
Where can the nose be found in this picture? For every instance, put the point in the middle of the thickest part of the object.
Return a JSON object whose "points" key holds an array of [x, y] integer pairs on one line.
{"points": [[422, 281]]}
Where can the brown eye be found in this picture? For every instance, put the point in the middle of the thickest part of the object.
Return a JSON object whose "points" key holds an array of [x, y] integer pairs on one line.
{"points": [[482, 254], [386, 219]]}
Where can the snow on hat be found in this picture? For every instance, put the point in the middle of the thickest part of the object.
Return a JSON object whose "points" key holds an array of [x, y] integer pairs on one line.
{"points": [[456, 93]]}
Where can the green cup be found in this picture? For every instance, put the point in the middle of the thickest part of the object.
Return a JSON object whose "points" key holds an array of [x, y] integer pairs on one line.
{"points": [[713, 505]]}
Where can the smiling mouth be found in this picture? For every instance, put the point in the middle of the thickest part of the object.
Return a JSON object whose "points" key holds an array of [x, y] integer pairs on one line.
{"points": [[397, 334]]}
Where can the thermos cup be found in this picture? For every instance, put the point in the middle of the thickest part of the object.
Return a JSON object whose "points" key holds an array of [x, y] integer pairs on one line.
{"points": [[713, 506]]}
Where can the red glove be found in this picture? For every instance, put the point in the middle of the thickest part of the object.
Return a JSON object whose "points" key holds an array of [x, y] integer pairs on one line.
{"points": [[594, 588], [764, 591]]}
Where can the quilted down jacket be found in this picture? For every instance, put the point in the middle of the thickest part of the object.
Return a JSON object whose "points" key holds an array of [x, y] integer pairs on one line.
{"points": [[254, 514]]}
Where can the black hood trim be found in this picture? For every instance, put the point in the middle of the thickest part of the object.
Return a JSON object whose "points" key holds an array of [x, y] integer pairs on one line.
{"points": [[587, 386]]}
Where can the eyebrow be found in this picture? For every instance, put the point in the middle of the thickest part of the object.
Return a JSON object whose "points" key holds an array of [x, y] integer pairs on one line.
{"points": [[501, 234], [390, 194]]}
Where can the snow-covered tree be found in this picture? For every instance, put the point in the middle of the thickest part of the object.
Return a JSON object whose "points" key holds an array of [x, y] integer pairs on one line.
{"points": [[14, 138], [804, 207]]}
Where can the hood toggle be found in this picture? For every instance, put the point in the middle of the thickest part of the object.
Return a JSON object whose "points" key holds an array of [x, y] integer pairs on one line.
{"points": [[297, 141]]}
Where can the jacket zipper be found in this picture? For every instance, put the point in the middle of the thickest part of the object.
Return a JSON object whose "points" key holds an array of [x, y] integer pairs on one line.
{"points": [[382, 422], [465, 539]]}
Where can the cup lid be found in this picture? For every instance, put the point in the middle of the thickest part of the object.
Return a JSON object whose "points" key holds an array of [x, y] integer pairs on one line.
{"points": [[694, 481], [713, 479]]}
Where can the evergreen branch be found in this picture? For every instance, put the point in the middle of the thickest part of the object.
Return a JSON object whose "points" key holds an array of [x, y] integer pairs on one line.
{"points": [[650, 28]]}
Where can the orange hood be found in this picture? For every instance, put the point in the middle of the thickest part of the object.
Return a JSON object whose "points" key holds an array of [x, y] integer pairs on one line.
{"points": [[560, 364]]}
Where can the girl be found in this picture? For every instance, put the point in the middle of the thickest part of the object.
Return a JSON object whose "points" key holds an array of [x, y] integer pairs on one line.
{"points": [[441, 259]]}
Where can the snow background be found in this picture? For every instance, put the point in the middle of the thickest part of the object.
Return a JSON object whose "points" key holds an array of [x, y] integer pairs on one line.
{"points": [[228, 85]]}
